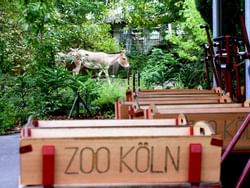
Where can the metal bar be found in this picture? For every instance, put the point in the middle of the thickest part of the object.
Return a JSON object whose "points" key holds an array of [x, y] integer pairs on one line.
{"points": [[247, 63], [243, 175], [73, 106], [216, 18], [138, 80], [217, 81], [133, 80], [236, 71], [216, 29], [228, 79]]}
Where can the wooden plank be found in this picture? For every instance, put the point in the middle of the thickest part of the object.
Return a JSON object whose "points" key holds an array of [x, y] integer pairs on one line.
{"points": [[108, 132], [167, 102], [178, 91], [130, 95], [162, 95], [202, 110], [119, 160], [159, 102], [225, 121], [107, 123], [222, 99], [180, 98], [199, 106]]}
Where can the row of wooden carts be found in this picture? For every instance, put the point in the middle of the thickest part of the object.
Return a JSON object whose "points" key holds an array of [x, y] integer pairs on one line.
{"points": [[159, 138]]}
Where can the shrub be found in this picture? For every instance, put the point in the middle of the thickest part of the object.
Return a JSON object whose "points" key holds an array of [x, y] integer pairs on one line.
{"points": [[107, 95]]}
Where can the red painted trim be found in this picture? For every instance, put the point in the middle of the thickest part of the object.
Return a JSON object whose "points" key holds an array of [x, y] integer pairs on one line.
{"points": [[217, 142], [35, 122], [191, 131], [29, 132], [26, 132], [129, 95], [131, 112], [48, 152], [139, 113], [177, 122], [194, 171], [147, 113], [25, 149]]}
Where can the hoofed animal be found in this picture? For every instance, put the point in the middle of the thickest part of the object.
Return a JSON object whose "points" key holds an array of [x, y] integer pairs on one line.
{"points": [[97, 60]]}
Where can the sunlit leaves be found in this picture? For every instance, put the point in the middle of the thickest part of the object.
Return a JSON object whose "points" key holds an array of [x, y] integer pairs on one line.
{"points": [[151, 12]]}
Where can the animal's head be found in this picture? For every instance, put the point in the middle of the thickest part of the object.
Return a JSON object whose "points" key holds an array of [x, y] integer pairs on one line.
{"points": [[123, 60], [73, 51], [74, 54]]}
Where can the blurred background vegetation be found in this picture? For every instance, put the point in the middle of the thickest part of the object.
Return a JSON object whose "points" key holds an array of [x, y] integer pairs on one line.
{"points": [[33, 31]]}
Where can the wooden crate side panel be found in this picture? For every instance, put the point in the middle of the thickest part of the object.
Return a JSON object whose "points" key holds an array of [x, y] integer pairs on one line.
{"points": [[225, 124], [124, 160], [110, 132]]}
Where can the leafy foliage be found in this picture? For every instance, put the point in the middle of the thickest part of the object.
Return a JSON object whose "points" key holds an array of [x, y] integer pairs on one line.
{"points": [[107, 95], [178, 64], [150, 13], [159, 68]]}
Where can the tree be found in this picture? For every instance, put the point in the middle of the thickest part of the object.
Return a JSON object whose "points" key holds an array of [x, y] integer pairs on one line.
{"points": [[230, 14], [149, 13]]}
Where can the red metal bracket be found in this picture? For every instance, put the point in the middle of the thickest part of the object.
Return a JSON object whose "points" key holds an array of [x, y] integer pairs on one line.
{"points": [[194, 171], [48, 152]]}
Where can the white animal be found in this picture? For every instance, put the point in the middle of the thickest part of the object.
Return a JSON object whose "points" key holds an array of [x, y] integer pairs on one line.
{"points": [[97, 60]]}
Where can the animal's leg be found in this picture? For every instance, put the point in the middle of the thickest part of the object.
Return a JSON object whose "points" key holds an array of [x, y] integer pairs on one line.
{"points": [[99, 75], [107, 76]]}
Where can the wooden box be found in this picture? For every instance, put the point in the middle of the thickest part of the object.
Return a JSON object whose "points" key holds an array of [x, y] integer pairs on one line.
{"points": [[115, 154]]}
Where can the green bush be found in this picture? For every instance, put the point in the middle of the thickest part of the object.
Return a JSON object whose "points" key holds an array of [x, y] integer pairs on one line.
{"points": [[159, 68], [107, 95]]}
